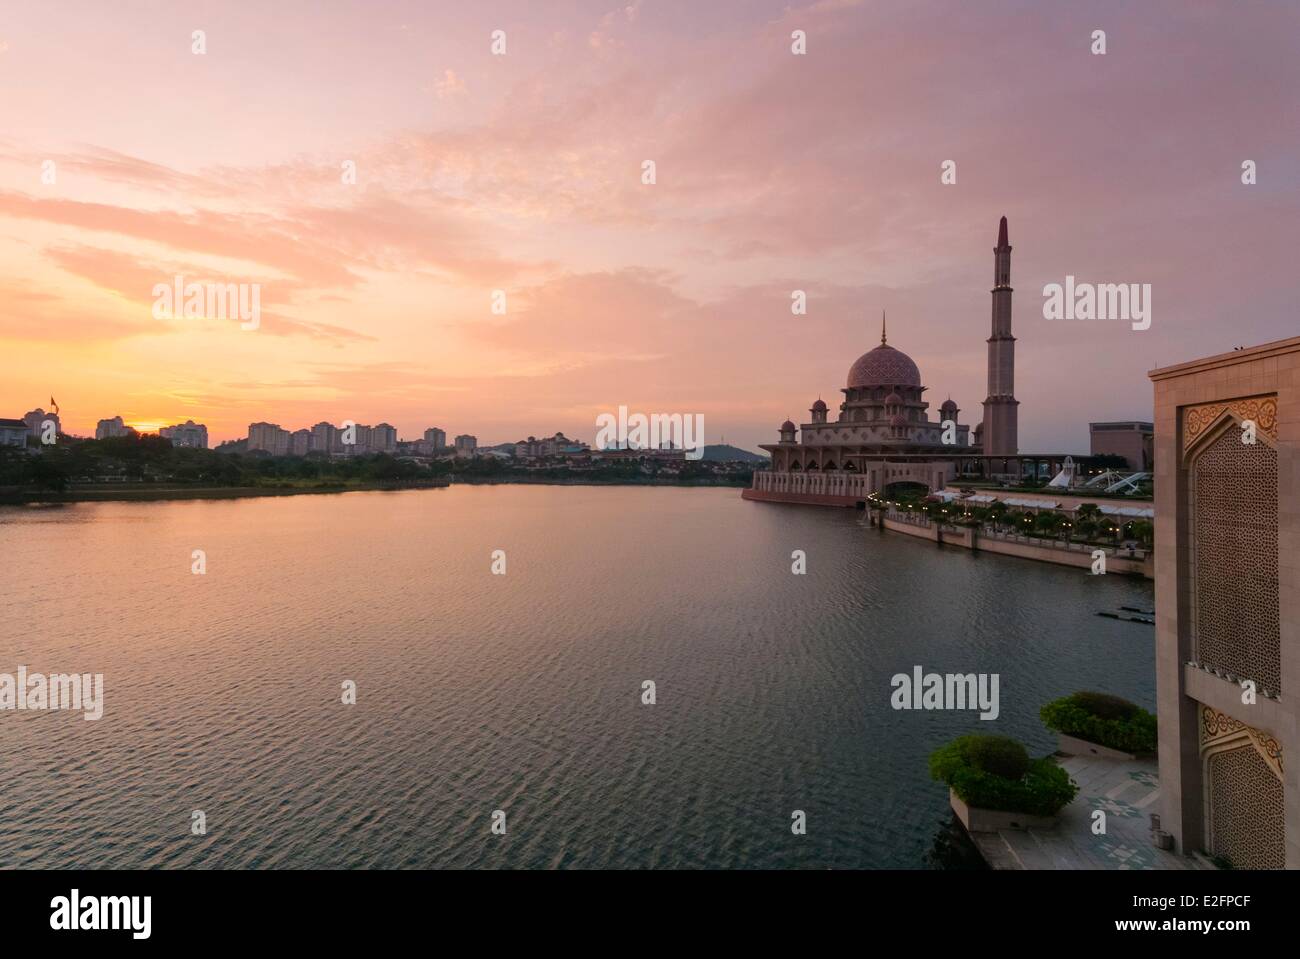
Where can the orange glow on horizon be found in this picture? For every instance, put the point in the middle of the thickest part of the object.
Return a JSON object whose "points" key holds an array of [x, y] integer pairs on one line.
{"points": [[378, 211]]}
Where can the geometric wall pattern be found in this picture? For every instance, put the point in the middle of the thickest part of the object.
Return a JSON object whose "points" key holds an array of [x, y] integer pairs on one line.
{"points": [[1245, 813], [1233, 506]]}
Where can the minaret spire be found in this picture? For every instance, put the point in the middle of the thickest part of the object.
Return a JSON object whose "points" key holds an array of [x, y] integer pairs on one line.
{"points": [[882, 327], [1000, 417]]}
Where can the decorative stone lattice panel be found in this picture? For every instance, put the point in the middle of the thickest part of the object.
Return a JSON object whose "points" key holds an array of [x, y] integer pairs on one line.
{"points": [[1261, 409], [1234, 518], [1245, 810]]}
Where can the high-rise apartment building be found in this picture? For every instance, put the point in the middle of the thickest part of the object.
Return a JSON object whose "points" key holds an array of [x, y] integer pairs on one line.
{"points": [[268, 437], [106, 429], [189, 433]]}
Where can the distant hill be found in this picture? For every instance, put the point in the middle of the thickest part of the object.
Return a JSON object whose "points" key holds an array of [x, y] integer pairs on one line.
{"points": [[732, 454]]}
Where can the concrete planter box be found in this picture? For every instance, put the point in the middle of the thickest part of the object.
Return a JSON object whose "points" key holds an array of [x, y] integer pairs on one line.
{"points": [[994, 820], [1073, 746]]}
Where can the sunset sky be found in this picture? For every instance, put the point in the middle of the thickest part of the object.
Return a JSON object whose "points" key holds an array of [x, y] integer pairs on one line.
{"points": [[522, 172]]}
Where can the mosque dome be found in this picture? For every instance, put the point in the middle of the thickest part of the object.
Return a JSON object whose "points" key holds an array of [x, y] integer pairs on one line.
{"points": [[819, 406], [893, 399], [883, 366], [787, 425], [948, 406]]}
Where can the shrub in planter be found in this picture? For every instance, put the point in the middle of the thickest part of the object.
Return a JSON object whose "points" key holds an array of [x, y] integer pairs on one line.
{"points": [[1105, 706], [999, 755], [994, 772], [1103, 719]]}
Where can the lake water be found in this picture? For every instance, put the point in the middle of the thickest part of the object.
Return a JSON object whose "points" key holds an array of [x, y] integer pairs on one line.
{"points": [[522, 692]]}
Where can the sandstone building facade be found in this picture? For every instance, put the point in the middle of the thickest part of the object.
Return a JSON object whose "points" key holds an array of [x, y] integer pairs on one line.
{"points": [[1227, 431]]}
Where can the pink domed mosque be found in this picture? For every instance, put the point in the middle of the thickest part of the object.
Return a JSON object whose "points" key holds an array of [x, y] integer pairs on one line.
{"points": [[884, 434]]}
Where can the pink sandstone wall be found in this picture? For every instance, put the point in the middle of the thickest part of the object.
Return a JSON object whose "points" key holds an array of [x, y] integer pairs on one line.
{"points": [[808, 499]]}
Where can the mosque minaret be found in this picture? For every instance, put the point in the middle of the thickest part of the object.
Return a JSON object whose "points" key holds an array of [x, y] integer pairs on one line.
{"points": [[1000, 422]]}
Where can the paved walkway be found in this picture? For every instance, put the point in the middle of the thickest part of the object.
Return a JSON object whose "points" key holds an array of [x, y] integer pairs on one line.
{"points": [[1128, 792]]}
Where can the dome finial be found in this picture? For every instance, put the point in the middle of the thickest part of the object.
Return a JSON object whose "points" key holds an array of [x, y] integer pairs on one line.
{"points": [[882, 327]]}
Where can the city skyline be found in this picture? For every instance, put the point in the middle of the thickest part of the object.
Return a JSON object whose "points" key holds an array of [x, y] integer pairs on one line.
{"points": [[523, 173], [107, 427]]}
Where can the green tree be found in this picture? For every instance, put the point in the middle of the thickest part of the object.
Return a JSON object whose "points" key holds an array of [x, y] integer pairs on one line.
{"points": [[1140, 530], [47, 473], [1090, 511], [997, 512], [1049, 522]]}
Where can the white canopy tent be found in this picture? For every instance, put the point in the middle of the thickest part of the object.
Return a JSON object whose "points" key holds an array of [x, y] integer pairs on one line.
{"points": [[1065, 478], [1128, 512]]}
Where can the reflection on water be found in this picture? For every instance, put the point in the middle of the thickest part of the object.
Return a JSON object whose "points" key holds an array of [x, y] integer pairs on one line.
{"points": [[518, 692], [953, 848]]}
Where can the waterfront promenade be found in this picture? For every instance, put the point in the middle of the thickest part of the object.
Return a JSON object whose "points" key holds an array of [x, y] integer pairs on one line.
{"points": [[1133, 562], [1127, 791]]}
